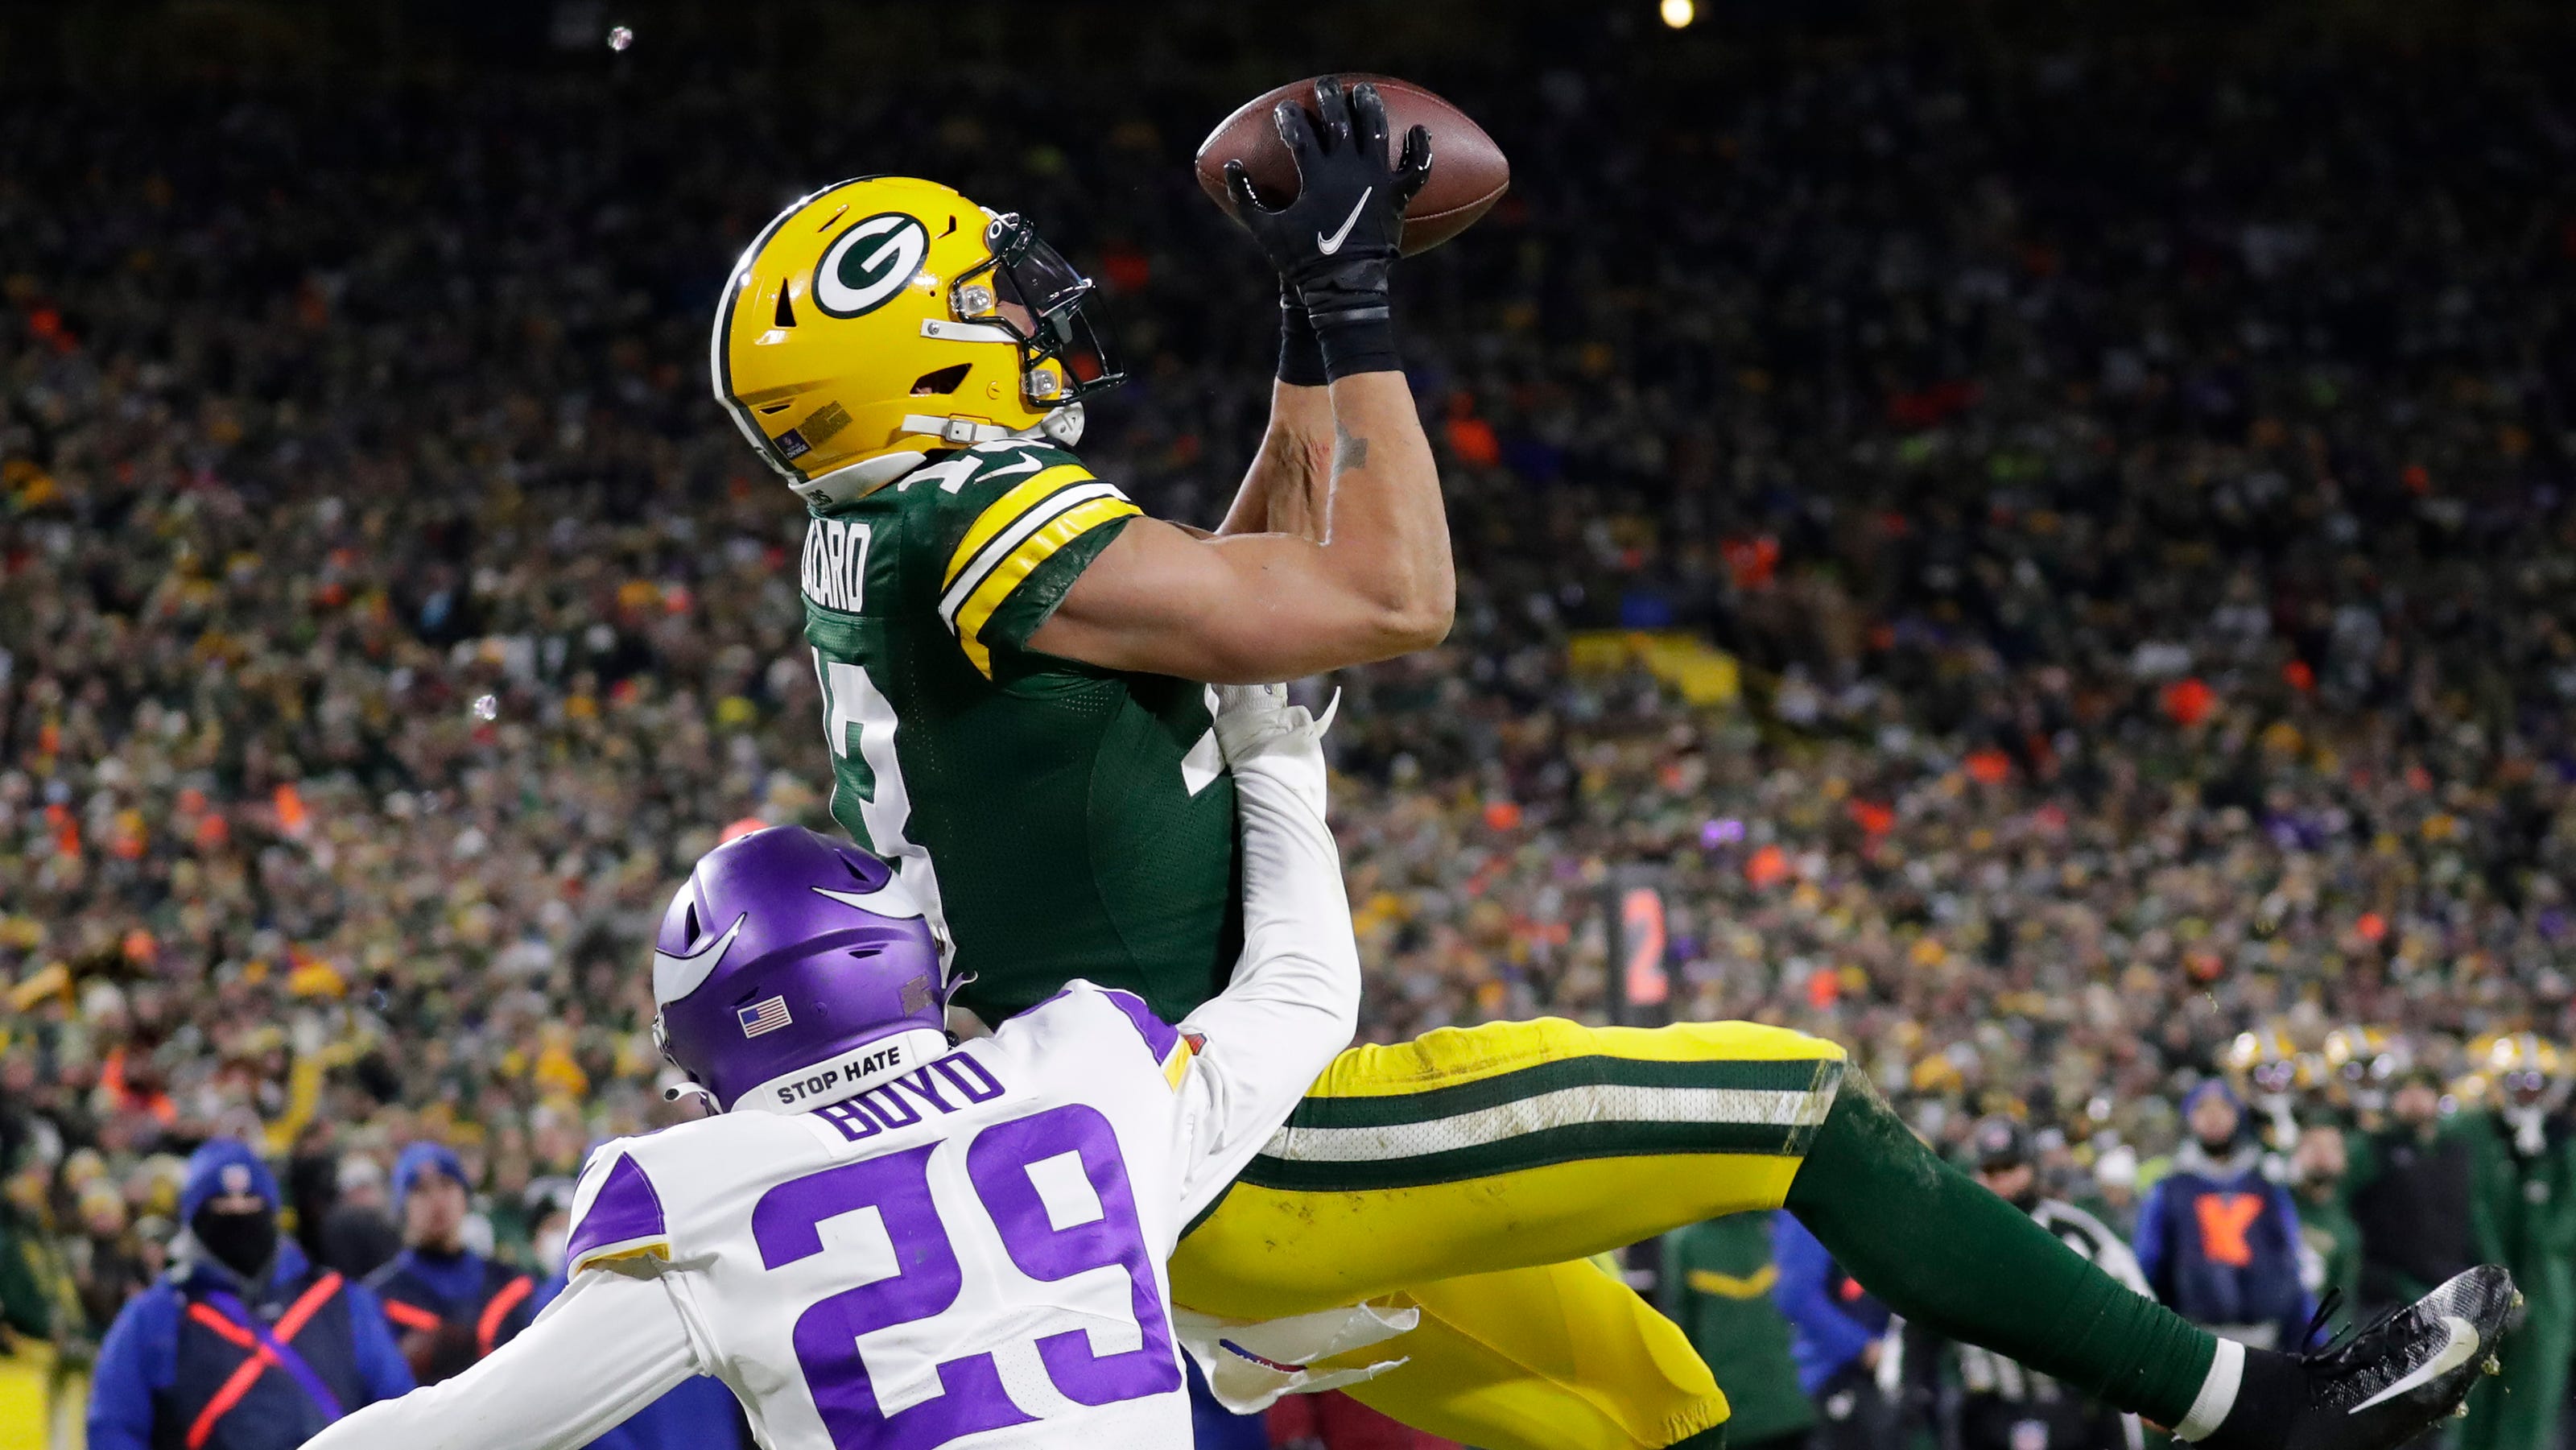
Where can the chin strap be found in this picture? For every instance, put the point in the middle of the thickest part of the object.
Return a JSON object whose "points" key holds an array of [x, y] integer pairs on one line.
{"points": [[691, 1088]]}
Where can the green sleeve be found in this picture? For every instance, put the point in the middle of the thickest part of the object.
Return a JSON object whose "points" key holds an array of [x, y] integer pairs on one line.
{"points": [[1030, 605], [1011, 525], [22, 1299]]}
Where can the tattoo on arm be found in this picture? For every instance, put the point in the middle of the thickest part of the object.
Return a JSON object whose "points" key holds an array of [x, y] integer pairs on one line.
{"points": [[1349, 449]]}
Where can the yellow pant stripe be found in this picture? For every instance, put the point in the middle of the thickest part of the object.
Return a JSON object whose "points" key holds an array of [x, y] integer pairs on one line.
{"points": [[1468, 1170]]}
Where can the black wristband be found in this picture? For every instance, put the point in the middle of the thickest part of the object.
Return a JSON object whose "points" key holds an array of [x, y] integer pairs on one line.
{"points": [[1358, 342], [1301, 357]]}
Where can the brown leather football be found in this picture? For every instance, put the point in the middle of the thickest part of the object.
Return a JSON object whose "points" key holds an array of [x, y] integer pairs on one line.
{"points": [[1468, 172]]}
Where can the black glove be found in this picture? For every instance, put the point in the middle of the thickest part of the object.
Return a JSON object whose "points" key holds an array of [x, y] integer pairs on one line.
{"points": [[1301, 357], [1334, 244]]}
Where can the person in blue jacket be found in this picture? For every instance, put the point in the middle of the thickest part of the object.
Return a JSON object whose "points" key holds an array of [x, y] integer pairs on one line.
{"points": [[449, 1305], [1836, 1331], [244, 1344], [2218, 1239]]}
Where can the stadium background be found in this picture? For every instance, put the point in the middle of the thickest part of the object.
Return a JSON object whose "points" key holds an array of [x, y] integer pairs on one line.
{"points": [[2047, 534]]}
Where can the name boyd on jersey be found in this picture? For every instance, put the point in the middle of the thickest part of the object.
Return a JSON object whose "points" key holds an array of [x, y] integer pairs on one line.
{"points": [[882, 1108]]}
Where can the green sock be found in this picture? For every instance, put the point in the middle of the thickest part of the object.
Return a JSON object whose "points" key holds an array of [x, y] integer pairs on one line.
{"points": [[1952, 1257]]}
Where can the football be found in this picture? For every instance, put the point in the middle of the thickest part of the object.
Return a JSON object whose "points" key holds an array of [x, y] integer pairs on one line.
{"points": [[1468, 172]]}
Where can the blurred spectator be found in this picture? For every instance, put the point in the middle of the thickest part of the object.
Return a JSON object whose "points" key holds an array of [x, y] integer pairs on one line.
{"points": [[107, 1259], [1716, 1283], [312, 1184], [245, 1346], [2115, 1189], [2524, 1213], [547, 1205], [2329, 1239], [2218, 1240], [358, 1234], [449, 1306], [1836, 1332], [2412, 1195]]}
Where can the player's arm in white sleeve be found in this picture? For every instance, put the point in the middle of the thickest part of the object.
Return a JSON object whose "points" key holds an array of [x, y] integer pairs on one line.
{"points": [[1295, 997], [610, 1344]]}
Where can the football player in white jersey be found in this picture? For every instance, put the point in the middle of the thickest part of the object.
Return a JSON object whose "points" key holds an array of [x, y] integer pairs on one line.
{"points": [[889, 1242]]}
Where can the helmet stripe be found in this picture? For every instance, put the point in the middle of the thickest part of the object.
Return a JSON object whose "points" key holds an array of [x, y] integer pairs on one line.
{"points": [[719, 356]]}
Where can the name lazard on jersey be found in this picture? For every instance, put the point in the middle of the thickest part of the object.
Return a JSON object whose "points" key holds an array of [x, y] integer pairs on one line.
{"points": [[1060, 820]]}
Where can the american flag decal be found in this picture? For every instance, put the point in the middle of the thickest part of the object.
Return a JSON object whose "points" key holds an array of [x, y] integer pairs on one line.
{"points": [[764, 1016]]}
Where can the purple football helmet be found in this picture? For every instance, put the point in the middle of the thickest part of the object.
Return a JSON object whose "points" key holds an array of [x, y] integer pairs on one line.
{"points": [[786, 948]]}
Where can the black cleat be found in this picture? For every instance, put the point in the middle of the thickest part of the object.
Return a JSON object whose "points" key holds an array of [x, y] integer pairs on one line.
{"points": [[2385, 1384]]}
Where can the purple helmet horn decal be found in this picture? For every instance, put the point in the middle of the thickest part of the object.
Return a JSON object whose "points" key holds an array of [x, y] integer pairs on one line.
{"points": [[823, 950]]}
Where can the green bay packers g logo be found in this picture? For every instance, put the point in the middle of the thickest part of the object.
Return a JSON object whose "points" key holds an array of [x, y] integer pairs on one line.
{"points": [[869, 263]]}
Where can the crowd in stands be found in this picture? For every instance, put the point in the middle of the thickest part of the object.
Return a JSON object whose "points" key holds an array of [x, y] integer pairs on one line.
{"points": [[2136, 484]]}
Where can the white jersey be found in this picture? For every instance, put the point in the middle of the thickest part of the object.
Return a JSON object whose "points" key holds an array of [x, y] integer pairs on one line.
{"points": [[921, 1245], [972, 1246]]}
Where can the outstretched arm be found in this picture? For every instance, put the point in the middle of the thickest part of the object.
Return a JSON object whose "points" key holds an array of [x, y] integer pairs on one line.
{"points": [[607, 1346], [1336, 551], [1289, 488], [1374, 582], [1295, 996]]}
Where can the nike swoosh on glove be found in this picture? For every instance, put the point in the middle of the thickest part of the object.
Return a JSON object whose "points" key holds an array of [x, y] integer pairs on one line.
{"points": [[1335, 243]]}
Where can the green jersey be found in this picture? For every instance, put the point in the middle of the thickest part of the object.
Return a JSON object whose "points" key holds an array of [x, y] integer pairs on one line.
{"points": [[1061, 820], [1716, 1284]]}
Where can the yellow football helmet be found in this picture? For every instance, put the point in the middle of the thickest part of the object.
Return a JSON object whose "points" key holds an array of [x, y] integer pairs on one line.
{"points": [[880, 318], [2524, 1065], [2268, 1061], [2367, 1057]]}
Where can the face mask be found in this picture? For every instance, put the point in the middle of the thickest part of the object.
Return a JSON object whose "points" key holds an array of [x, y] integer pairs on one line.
{"points": [[241, 1242]]}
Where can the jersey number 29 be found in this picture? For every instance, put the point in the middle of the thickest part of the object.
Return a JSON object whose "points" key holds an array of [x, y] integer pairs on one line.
{"points": [[786, 1224]]}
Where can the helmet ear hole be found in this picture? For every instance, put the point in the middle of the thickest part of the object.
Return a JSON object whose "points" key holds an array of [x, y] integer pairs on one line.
{"points": [[943, 380], [786, 316], [689, 923]]}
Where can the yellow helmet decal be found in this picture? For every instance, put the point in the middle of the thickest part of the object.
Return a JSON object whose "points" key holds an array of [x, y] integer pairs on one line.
{"points": [[868, 263]]}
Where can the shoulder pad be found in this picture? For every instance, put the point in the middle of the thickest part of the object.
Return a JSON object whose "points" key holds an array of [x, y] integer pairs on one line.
{"points": [[616, 1213], [1004, 463], [1002, 515], [1169, 1047]]}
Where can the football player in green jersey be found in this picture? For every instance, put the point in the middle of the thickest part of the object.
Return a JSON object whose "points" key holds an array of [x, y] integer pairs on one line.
{"points": [[1055, 784], [1015, 664]]}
